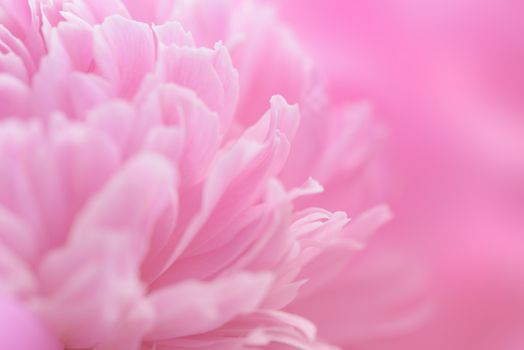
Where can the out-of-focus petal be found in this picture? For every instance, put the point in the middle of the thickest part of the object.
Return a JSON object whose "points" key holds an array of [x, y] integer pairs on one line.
{"points": [[20, 329]]}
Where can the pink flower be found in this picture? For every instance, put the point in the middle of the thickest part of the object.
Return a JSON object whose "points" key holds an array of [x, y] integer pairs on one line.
{"points": [[154, 179]]}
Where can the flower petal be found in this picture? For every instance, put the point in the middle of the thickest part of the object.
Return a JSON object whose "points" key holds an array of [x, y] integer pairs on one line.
{"points": [[217, 303], [21, 330], [92, 282], [124, 52]]}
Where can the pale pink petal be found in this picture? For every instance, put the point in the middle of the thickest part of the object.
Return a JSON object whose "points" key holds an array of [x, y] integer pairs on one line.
{"points": [[95, 11], [238, 243], [153, 11], [209, 73], [57, 179], [209, 21], [62, 83], [21, 330], [174, 105], [281, 117], [132, 201], [16, 142], [16, 274], [9, 43], [124, 52], [77, 39], [118, 119], [84, 307], [20, 18], [50, 89], [13, 65], [221, 173], [224, 194], [168, 141], [16, 235], [217, 303], [84, 91], [20, 14], [280, 330], [104, 252], [172, 33], [269, 63], [131, 329], [14, 96], [76, 164]]}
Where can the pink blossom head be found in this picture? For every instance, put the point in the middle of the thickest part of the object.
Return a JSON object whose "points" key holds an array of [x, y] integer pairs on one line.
{"points": [[154, 175]]}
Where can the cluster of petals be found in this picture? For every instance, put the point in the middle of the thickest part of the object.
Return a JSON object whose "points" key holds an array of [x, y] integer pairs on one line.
{"points": [[151, 184]]}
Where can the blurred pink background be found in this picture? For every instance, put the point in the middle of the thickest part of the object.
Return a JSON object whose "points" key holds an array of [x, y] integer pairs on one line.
{"points": [[446, 79]]}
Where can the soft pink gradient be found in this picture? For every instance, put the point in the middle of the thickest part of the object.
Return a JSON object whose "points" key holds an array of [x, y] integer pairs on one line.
{"points": [[447, 81], [176, 174]]}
